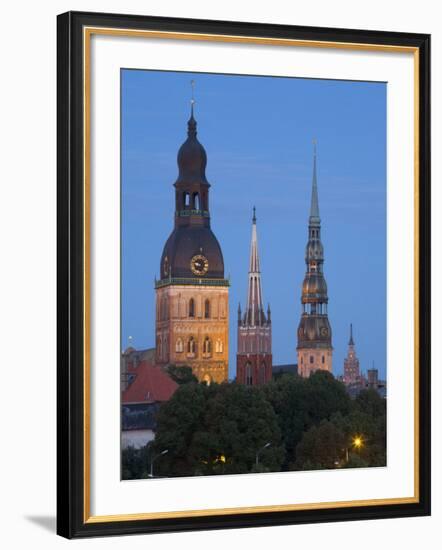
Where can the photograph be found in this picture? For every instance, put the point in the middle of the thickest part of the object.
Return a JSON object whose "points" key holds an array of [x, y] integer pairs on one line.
{"points": [[253, 268]]}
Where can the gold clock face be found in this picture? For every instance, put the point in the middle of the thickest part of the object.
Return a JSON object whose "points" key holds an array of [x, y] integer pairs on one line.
{"points": [[199, 265], [324, 331]]}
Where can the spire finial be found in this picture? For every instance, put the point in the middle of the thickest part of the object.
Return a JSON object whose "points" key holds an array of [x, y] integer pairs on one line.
{"points": [[314, 207], [191, 125], [192, 100], [351, 342], [254, 215]]}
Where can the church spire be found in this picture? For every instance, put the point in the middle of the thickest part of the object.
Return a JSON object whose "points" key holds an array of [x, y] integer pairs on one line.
{"points": [[314, 332], [254, 356], [351, 342], [191, 123], [254, 312], [314, 206]]}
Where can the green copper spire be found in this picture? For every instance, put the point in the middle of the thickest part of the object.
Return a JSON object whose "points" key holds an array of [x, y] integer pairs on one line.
{"points": [[314, 207]]}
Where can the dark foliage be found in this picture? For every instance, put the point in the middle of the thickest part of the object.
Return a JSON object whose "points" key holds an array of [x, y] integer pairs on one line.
{"points": [[219, 429]]}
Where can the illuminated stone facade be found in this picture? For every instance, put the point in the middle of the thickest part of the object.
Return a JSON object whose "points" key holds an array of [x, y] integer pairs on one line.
{"points": [[192, 328]]}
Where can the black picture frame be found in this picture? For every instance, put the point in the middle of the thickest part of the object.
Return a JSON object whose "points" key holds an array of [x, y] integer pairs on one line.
{"points": [[71, 520]]}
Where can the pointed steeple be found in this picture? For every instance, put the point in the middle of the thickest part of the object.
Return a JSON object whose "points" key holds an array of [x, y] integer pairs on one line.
{"points": [[351, 342], [314, 206], [254, 257], [191, 123], [254, 312]]}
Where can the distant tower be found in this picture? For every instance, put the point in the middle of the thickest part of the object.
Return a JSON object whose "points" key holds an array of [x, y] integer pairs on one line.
{"points": [[192, 295], [314, 348], [254, 356], [351, 363], [372, 377]]}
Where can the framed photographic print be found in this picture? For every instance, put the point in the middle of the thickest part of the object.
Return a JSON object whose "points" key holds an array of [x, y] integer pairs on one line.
{"points": [[243, 274]]}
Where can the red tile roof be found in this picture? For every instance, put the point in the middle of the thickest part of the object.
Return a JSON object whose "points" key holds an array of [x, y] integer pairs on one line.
{"points": [[151, 384]]}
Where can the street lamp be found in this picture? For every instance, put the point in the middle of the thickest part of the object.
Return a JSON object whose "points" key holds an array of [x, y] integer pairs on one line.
{"points": [[154, 458], [259, 451], [357, 443]]}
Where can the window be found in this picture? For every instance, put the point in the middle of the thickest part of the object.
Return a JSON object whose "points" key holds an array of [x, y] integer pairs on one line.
{"points": [[323, 359], [219, 346], [191, 307], [196, 201], [191, 345], [207, 347], [179, 345], [186, 199], [312, 359], [207, 309], [248, 374]]}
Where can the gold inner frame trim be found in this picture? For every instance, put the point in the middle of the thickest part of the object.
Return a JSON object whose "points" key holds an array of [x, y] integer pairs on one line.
{"points": [[87, 34]]}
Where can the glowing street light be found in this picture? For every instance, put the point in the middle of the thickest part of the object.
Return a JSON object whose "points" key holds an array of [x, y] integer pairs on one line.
{"points": [[154, 458], [357, 443]]}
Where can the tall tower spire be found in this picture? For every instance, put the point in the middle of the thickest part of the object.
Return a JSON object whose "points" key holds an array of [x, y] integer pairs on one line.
{"points": [[352, 373], [254, 357], [254, 311], [314, 205], [314, 347], [192, 294]]}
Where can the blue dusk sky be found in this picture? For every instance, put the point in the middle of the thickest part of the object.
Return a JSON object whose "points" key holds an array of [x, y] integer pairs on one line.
{"points": [[258, 132]]}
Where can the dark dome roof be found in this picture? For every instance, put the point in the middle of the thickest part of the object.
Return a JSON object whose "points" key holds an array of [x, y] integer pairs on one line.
{"points": [[314, 329], [186, 242], [314, 287], [192, 158]]}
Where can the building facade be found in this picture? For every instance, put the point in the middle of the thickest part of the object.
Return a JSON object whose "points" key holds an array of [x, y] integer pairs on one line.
{"points": [[352, 373], [192, 294], [314, 349], [254, 355]]}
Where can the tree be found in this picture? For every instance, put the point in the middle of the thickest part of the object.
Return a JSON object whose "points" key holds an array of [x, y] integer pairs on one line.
{"points": [[321, 447], [181, 374], [301, 403], [217, 429]]}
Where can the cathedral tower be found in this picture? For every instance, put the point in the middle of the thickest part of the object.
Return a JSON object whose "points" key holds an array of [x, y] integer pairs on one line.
{"points": [[192, 295], [314, 348], [352, 374], [254, 356]]}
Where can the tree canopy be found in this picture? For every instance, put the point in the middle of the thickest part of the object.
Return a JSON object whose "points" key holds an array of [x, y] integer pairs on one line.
{"points": [[291, 423]]}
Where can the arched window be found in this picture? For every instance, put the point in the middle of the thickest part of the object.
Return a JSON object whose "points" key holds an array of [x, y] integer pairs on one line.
{"points": [[248, 374], [191, 307], [219, 346], [323, 359], [186, 199], [160, 347], [207, 346], [191, 345], [179, 345], [196, 201], [207, 309], [312, 359]]}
